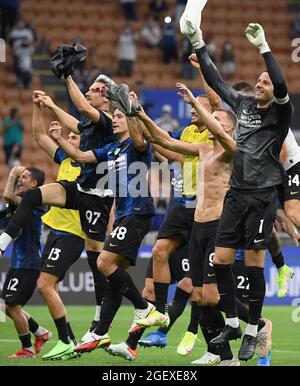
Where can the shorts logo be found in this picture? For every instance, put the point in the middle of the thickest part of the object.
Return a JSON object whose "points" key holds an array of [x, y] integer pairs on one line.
{"points": [[113, 245], [211, 274], [50, 266], [258, 241], [293, 193]]}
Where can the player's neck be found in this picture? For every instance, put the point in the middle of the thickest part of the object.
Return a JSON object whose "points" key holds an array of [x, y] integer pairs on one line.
{"points": [[264, 105], [122, 137], [201, 128]]}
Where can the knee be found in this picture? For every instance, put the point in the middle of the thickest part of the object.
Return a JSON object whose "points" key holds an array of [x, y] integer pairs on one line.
{"points": [[103, 266], [289, 212], [186, 285], [210, 299], [197, 296], [159, 254], [148, 293], [44, 286], [12, 310]]}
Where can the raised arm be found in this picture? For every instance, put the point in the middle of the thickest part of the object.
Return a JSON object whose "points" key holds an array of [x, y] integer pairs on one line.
{"points": [[256, 36], [135, 128], [136, 134], [81, 102], [209, 70], [208, 120], [163, 139], [66, 119], [213, 98], [164, 155], [38, 127], [9, 194], [73, 152]]}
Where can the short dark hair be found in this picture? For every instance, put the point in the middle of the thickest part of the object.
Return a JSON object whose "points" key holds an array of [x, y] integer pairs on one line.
{"points": [[13, 112], [243, 86], [38, 175], [230, 115]]}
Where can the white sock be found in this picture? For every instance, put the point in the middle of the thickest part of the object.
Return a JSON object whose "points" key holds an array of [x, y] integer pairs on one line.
{"points": [[251, 329], [40, 331], [97, 314], [30, 349], [233, 322], [5, 240], [193, 10]]}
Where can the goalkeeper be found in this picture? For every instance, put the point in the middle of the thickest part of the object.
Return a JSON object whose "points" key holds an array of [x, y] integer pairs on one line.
{"points": [[250, 204]]}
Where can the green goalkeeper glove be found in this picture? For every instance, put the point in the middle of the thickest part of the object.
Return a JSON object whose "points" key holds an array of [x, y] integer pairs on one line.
{"points": [[192, 32], [256, 36]]}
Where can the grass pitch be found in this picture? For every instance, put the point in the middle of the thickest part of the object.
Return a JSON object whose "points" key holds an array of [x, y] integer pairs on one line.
{"points": [[285, 348]]}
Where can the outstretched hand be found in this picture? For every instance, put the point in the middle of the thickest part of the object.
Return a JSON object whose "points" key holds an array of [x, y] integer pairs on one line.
{"points": [[191, 30], [185, 94], [256, 36], [45, 101], [35, 96], [194, 61]]}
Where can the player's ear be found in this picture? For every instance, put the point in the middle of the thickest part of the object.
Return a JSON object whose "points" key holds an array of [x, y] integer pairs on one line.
{"points": [[34, 184]]}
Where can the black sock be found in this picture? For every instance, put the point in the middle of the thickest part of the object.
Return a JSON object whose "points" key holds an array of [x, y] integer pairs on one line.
{"points": [[261, 324], [33, 326], [176, 308], [122, 281], [25, 340], [208, 334], [134, 337], [227, 289], [99, 278], [257, 289], [278, 260], [242, 311], [243, 314], [111, 303], [31, 200], [71, 334], [214, 322], [62, 329], [161, 296], [196, 314]]}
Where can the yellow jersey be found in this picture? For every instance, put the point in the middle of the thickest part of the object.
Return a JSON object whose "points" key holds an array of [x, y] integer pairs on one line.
{"points": [[190, 163], [66, 220]]}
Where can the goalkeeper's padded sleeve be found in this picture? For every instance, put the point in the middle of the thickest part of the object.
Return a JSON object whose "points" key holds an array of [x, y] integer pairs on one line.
{"points": [[215, 81], [277, 78]]}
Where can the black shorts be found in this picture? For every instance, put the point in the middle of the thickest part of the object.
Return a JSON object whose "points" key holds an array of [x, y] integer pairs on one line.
{"points": [[178, 223], [19, 286], [127, 236], [247, 219], [94, 211], [292, 183], [202, 247], [178, 262], [60, 252], [241, 280]]}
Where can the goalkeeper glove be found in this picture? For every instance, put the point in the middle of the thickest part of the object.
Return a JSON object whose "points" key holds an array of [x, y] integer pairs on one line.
{"points": [[256, 36], [192, 32]]}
